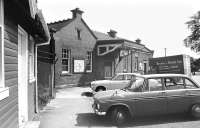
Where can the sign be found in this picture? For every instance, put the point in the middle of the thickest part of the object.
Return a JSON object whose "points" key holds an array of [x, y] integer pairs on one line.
{"points": [[170, 64], [79, 66]]}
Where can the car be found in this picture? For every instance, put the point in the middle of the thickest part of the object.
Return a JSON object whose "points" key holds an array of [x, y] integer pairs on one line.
{"points": [[120, 80], [149, 95]]}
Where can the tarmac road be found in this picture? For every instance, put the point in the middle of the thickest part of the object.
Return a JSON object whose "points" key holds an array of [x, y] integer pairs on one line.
{"points": [[72, 109]]}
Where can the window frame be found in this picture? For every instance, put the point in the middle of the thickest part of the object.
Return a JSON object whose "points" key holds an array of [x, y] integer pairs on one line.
{"points": [[4, 91], [89, 56], [66, 58], [2, 72]]}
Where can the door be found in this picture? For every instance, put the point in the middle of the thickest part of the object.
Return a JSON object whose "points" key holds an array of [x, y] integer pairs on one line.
{"points": [[177, 100], [152, 101], [22, 76], [107, 70]]}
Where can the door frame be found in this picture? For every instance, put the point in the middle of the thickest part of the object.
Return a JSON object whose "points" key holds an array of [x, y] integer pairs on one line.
{"points": [[22, 77]]}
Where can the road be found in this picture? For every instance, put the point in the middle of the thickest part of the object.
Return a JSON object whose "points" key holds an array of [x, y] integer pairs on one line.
{"points": [[72, 109]]}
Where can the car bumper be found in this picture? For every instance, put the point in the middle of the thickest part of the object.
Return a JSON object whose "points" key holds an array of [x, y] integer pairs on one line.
{"points": [[98, 111]]}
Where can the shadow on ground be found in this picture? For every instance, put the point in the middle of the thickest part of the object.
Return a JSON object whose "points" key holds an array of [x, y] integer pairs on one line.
{"points": [[88, 94], [90, 119]]}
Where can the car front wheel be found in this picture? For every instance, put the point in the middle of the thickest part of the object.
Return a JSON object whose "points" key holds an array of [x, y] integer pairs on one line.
{"points": [[195, 111], [119, 116]]}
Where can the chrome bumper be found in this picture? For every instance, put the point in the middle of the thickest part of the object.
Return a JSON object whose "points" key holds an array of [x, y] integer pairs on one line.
{"points": [[97, 111]]}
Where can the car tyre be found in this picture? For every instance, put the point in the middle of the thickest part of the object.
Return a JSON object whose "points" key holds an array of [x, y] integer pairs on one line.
{"points": [[119, 116], [100, 89], [195, 111]]}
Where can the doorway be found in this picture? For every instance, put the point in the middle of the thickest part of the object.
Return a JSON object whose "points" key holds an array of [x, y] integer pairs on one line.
{"points": [[107, 70], [22, 76]]}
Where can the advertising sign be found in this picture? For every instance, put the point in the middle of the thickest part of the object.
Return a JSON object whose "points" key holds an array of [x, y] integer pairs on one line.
{"points": [[169, 64]]}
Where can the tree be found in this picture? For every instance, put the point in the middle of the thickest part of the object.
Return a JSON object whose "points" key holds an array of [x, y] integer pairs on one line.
{"points": [[193, 40], [195, 65]]}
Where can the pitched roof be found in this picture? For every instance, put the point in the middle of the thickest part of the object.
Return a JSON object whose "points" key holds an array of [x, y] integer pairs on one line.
{"points": [[103, 36], [59, 24]]}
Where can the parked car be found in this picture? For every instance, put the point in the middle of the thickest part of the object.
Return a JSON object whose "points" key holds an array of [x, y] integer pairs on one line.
{"points": [[119, 81], [150, 95]]}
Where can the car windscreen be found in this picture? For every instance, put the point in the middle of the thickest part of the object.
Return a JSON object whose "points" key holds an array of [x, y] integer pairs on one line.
{"points": [[136, 84]]}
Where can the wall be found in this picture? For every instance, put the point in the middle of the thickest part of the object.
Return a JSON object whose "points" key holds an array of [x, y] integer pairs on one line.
{"points": [[9, 106], [118, 64], [67, 38]]}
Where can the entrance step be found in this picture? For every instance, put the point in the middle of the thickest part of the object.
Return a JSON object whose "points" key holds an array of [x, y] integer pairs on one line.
{"points": [[32, 124]]}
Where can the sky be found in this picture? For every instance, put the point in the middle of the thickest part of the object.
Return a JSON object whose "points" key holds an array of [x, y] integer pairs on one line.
{"points": [[159, 24]]}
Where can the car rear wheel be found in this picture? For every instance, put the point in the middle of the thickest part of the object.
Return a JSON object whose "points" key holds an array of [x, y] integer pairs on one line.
{"points": [[119, 116], [195, 111], [100, 89]]}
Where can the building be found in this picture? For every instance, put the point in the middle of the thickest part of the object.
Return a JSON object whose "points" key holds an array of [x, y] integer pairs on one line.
{"points": [[115, 55], [74, 44], [85, 55], [21, 28]]}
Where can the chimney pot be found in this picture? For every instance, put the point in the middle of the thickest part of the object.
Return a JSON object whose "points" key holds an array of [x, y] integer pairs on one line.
{"points": [[76, 13], [112, 33], [138, 41]]}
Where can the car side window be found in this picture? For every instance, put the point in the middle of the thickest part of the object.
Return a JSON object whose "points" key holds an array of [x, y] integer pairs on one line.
{"points": [[155, 84], [189, 84], [119, 77], [172, 83]]}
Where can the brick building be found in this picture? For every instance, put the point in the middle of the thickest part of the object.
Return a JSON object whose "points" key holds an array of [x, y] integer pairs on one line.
{"points": [[84, 55]]}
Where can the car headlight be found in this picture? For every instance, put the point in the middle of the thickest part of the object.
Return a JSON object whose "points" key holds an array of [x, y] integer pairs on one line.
{"points": [[98, 106]]}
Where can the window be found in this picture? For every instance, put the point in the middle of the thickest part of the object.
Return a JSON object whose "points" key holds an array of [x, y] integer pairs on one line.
{"points": [[89, 62], [125, 64], [136, 63], [66, 56], [119, 77], [78, 34], [173, 83], [137, 85], [31, 60], [155, 84], [102, 50], [189, 84]]}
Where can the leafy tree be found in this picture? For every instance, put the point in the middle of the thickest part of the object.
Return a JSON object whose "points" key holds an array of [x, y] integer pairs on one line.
{"points": [[195, 65], [193, 40]]}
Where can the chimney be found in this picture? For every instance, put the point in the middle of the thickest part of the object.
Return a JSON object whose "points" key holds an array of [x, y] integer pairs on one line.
{"points": [[138, 41], [112, 33], [76, 13]]}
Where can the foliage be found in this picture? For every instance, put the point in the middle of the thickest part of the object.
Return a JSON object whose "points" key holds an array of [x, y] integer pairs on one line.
{"points": [[193, 40], [195, 65]]}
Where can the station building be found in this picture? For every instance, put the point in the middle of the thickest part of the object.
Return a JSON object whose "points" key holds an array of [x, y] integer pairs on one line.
{"points": [[83, 55]]}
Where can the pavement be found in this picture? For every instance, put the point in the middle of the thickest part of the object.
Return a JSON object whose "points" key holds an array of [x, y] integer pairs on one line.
{"points": [[72, 109]]}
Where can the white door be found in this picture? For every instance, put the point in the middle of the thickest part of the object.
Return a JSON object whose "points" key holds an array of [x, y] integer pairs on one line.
{"points": [[22, 76]]}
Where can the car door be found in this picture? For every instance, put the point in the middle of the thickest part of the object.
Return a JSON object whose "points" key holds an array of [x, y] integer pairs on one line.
{"points": [[152, 100], [177, 100], [192, 91]]}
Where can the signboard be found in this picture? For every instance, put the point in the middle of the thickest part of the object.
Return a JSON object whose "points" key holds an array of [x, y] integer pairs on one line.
{"points": [[170, 64], [79, 66]]}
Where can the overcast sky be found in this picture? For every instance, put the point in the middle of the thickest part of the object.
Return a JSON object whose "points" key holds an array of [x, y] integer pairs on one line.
{"points": [[158, 23]]}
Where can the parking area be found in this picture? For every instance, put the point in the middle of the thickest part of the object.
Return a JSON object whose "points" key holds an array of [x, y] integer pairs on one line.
{"points": [[72, 109]]}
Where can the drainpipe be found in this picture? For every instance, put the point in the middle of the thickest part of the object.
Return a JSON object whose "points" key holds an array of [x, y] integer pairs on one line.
{"points": [[36, 72]]}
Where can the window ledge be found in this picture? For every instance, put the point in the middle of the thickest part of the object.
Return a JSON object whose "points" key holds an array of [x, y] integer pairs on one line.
{"points": [[4, 92]]}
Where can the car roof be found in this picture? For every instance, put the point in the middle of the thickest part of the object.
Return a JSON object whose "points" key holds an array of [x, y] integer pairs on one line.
{"points": [[164, 75], [128, 73]]}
